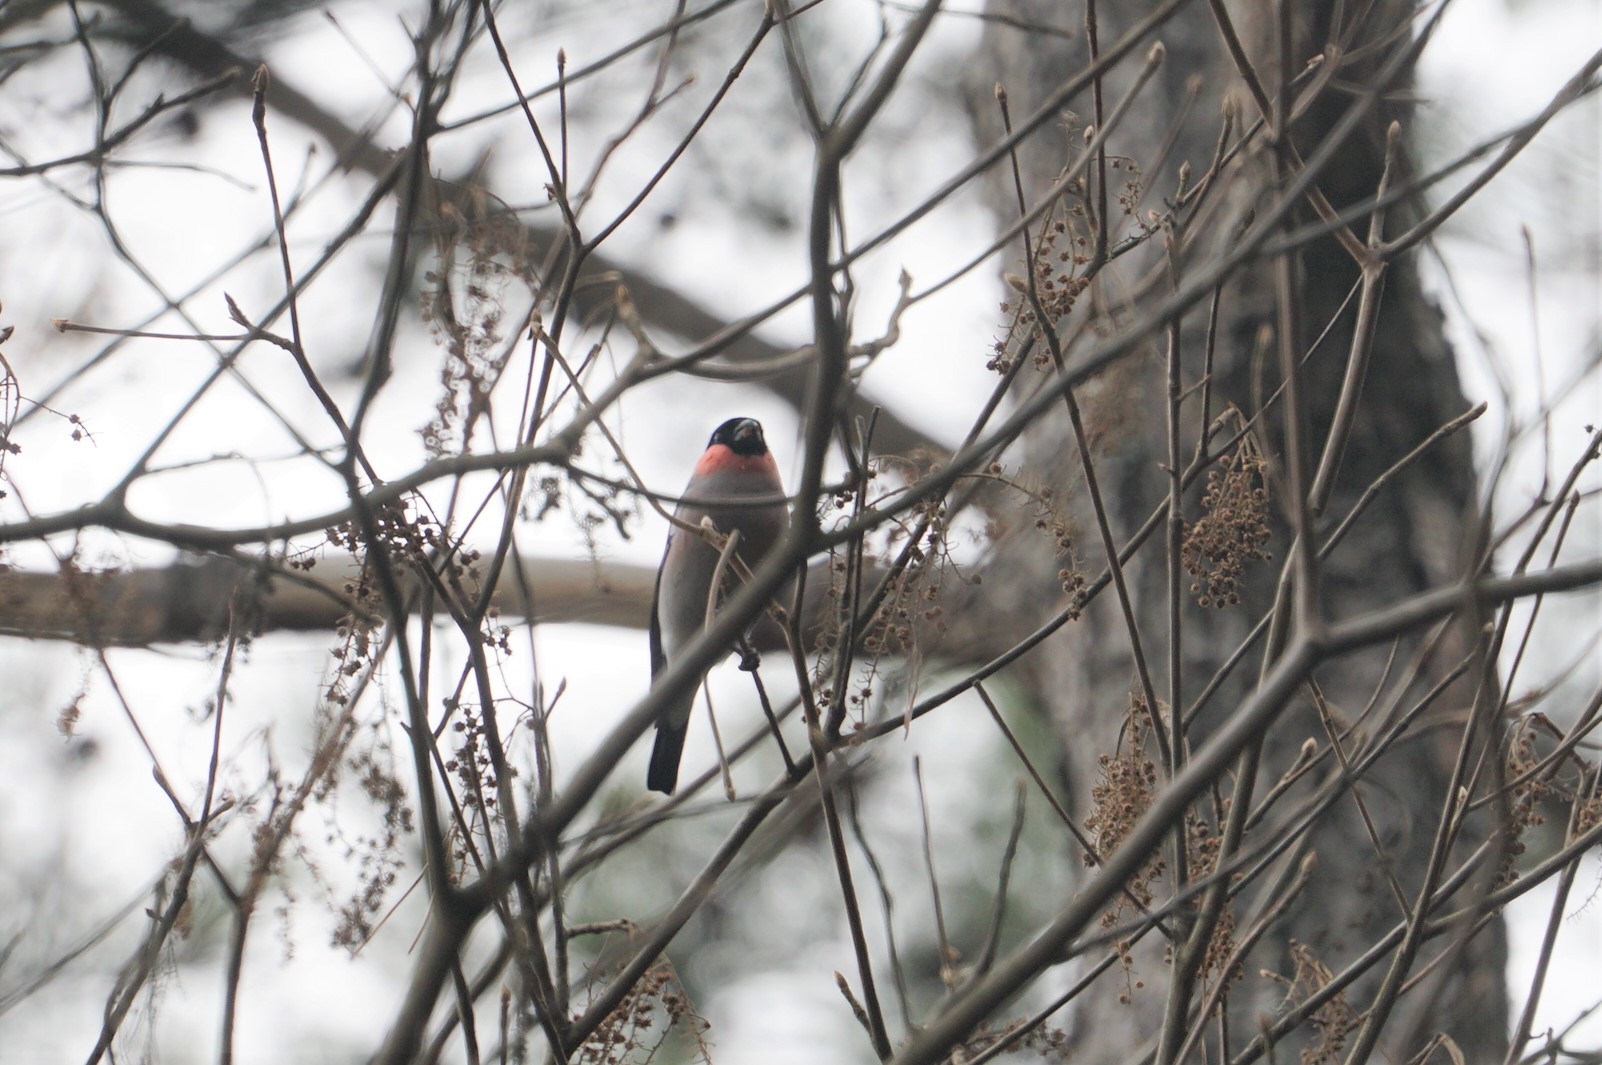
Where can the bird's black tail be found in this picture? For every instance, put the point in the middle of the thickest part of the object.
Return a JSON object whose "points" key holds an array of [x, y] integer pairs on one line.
{"points": [[664, 773]]}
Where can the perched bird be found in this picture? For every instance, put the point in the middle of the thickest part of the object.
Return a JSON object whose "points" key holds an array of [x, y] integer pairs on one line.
{"points": [[735, 484]]}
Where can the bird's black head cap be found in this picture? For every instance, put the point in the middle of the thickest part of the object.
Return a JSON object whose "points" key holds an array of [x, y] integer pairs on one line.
{"points": [[743, 436]]}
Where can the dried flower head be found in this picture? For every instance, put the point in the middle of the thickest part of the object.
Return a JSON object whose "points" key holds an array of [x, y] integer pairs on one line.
{"points": [[1233, 529]]}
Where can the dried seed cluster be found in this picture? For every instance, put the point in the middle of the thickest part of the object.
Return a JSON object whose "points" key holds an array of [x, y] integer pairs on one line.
{"points": [[1125, 792], [479, 249], [1333, 1021], [1201, 855], [1525, 799], [1043, 1041], [1233, 529], [911, 563], [1060, 250], [631, 1032], [1052, 523], [1589, 815]]}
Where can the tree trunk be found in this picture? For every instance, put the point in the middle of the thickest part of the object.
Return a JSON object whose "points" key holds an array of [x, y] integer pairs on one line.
{"points": [[1416, 534]]}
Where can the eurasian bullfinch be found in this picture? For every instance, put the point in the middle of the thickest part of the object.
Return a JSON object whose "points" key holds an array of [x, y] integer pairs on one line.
{"points": [[736, 484]]}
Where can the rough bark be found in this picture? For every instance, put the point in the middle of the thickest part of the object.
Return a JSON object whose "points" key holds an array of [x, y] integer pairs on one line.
{"points": [[1412, 538]]}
